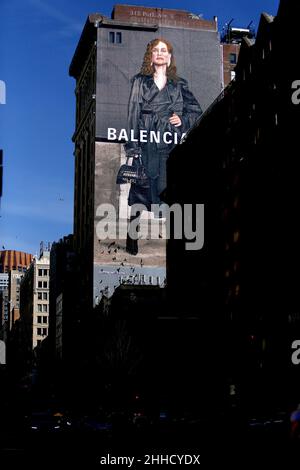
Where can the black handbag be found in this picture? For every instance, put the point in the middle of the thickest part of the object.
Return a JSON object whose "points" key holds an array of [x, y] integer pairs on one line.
{"points": [[134, 173]]}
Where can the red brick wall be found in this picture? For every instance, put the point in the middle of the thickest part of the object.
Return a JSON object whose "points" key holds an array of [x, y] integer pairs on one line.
{"points": [[161, 16], [227, 66]]}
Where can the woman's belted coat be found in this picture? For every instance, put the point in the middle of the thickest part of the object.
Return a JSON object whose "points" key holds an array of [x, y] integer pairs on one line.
{"points": [[149, 110]]}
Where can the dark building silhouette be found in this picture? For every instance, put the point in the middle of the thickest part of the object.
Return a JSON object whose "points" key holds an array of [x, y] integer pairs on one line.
{"points": [[128, 346], [63, 313], [56, 357], [243, 166]]}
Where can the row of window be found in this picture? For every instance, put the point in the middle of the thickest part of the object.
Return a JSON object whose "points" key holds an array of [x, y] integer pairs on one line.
{"points": [[42, 331], [43, 272], [42, 307], [14, 268], [42, 295], [115, 37], [232, 58], [42, 319], [43, 284], [86, 88]]}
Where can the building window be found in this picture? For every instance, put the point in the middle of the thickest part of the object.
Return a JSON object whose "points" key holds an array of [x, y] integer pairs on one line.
{"points": [[45, 284], [45, 296], [115, 38], [236, 266], [43, 272], [236, 203], [45, 319], [232, 58], [45, 308], [42, 331], [39, 308], [40, 284], [40, 296], [236, 236], [39, 319]]}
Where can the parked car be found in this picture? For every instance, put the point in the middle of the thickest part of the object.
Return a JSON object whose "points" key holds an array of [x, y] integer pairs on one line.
{"points": [[46, 421]]}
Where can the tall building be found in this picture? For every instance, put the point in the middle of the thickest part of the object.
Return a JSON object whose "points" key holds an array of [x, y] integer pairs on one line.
{"points": [[14, 296], [4, 282], [243, 284], [64, 318], [34, 300], [13, 264], [110, 52]]}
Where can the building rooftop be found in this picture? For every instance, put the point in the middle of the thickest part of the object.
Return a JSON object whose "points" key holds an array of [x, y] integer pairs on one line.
{"points": [[12, 259], [136, 17]]}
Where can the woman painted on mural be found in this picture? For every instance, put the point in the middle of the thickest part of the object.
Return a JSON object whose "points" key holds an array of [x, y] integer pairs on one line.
{"points": [[161, 109]]}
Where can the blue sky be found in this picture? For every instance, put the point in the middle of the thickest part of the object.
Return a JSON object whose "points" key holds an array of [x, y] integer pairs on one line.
{"points": [[37, 42]]}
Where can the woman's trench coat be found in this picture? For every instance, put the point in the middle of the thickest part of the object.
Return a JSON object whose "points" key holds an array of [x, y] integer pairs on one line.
{"points": [[149, 110]]}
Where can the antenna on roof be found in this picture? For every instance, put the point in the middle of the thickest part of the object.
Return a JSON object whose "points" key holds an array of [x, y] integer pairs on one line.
{"points": [[233, 35]]}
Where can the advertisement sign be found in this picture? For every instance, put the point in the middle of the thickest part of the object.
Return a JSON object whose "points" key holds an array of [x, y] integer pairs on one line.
{"points": [[152, 86]]}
